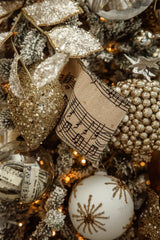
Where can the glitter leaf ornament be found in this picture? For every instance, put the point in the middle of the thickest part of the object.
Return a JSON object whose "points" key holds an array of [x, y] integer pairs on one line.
{"points": [[51, 12], [7, 7], [4, 37], [74, 41], [119, 9], [37, 112]]}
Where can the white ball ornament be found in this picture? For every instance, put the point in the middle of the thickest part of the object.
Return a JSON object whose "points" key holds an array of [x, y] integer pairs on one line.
{"points": [[101, 207]]}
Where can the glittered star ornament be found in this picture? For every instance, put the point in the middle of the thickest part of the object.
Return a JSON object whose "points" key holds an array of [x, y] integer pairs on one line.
{"points": [[142, 65], [51, 12], [36, 100], [149, 221], [74, 41]]}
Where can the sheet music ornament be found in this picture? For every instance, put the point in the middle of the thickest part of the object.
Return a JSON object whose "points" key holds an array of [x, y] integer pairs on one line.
{"points": [[101, 207], [139, 132], [93, 113], [21, 177]]}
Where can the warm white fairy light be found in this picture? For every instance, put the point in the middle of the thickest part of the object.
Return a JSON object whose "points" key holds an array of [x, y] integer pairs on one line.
{"points": [[20, 224], [53, 233]]}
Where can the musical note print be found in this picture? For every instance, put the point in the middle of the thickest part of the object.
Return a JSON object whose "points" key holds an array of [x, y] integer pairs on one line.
{"points": [[91, 117]]}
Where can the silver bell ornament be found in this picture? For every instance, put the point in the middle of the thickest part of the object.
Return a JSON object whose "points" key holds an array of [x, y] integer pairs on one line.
{"points": [[119, 9], [139, 131], [24, 177]]}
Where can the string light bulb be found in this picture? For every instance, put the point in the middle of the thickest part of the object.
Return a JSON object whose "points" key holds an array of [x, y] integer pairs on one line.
{"points": [[142, 164], [53, 233], [20, 224], [67, 179], [83, 161], [41, 162], [60, 209], [148, 182], [102, 19], [75, 153]]}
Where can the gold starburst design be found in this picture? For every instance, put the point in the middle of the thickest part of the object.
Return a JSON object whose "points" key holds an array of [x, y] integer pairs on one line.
{"points": [[88, 217], [120, 187]]}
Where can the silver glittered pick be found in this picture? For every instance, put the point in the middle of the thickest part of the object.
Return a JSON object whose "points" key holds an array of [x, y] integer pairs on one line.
{"points": [[4, 37], [52, 12], [74, 41], [142, 66]]}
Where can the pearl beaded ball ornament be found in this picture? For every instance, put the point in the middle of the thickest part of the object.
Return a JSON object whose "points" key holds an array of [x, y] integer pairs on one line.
{"points": [[139, 131], [101, 207]]}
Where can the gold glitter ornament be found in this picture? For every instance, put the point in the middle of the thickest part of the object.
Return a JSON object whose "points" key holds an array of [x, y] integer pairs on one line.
{"points": [[149, 221], [142, 119], [36, 101], [51, 12]]}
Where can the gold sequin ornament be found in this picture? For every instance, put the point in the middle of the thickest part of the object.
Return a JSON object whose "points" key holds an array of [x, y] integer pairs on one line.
{"points": [[142, 119], [36, 102], [149, 221]]}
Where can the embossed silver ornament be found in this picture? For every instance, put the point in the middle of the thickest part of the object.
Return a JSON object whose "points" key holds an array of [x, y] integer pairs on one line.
{"points": [[139, 132], [119, 9]]}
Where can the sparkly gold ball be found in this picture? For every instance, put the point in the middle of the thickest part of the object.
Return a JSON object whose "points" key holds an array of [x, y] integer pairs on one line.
{"points": [[142, 119]]}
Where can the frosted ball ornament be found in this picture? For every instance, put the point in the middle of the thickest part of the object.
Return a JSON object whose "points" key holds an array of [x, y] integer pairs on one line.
{"points": [[101, 207], [119, 9], [143, 119]]}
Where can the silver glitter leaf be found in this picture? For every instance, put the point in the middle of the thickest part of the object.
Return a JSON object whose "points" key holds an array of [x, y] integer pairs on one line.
{"points": [[74, 41], [52, 12], [4, 36], [9, 6], [14, 81], [50, 69]]}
